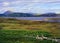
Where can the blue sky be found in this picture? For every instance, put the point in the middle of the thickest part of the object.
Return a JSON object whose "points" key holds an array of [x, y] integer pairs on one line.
{"points": [[30, 6]]}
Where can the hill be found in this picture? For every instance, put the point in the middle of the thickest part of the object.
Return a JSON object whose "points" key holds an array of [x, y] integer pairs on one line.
{"points": [[49, 15], [18, 14]]}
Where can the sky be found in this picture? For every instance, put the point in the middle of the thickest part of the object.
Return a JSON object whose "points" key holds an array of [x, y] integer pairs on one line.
{"points": [[30, 6]]}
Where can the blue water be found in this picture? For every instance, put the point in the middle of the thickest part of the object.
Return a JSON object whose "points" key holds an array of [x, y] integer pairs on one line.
{"points": [[36, 18]]}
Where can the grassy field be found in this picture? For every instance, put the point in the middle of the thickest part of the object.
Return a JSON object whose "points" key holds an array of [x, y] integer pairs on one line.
{"points": [[14, 31], [22, 36]]}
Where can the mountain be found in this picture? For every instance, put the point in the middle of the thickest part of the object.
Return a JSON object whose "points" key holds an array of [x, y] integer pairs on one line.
{"points": [[8, 12], [18, 14], [2, 15], [48, 15]]}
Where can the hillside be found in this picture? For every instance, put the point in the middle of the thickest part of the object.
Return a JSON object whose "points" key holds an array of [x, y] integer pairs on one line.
{"points": [[20, 14], [14, 24], [16, 14], [48, 15]]}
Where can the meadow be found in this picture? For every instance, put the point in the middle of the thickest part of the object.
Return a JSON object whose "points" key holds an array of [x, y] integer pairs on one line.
{"points": [[23, 36], [15, 31]]}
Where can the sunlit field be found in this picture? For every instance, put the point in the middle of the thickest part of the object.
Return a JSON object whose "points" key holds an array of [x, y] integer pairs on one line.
{"points": [[26, 31], [24, 36]]}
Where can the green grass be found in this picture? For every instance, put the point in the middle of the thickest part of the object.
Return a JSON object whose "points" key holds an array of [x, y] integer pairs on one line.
{"points": [[14, 31], [18, 36], [14, 24]]}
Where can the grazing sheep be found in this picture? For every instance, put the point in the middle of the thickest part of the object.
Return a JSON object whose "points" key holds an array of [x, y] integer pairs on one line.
{"points": [[37, 37]]}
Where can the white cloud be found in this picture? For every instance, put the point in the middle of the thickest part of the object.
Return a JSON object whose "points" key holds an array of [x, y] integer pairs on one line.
{"points": [[42, 1], [3, 9], [31, 5], [5, 3], [9, 8], [28, 2]]}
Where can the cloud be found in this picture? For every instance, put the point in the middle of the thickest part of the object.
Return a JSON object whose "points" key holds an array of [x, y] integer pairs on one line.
{"points": [[5, 4], [27, 2], [3, 9], [41, 1], [31, 5]]}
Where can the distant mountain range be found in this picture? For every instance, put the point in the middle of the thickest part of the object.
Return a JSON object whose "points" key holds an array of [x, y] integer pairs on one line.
{"points": [[17, 14]]}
